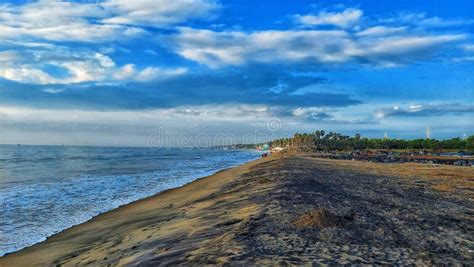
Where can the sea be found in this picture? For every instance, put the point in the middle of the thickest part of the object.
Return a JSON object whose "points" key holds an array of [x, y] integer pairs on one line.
{"points": [[46, 189]]}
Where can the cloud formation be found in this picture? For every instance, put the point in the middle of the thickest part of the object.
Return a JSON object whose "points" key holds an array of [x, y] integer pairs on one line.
{"points": [[60, 21], [330, 47], [56, 65], [422, 20], [313, 114], [96, 22], [130, 73], [420, 110], [33, 38], [158, 13], [381, 31], [344, 19]]}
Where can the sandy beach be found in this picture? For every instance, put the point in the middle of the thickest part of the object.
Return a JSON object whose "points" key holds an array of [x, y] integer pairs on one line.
{"points": [[288, 208]]}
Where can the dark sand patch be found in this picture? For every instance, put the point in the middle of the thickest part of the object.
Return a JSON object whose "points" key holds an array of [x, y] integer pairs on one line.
{"points": [[320, 218]]}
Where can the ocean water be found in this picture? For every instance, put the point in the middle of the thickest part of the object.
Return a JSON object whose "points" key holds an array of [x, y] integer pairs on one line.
{"points": [[45, 189]]}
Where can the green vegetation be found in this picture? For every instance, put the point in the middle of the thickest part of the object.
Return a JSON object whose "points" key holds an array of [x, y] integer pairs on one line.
{"points": [[319, 140]]}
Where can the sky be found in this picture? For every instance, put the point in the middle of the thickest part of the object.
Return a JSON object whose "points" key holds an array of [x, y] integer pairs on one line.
{"points": [[185, 73]]}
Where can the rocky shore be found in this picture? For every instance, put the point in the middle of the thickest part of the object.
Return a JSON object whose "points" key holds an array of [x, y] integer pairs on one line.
{"points": [[283, 209]]}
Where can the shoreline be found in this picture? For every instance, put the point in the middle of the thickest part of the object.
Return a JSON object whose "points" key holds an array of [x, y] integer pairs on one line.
{"points": [[223, 217], [45, 239], [131, 205]]}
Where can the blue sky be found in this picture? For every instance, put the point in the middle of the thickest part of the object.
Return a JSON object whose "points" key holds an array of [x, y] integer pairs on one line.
{"points": [[116, 72]]}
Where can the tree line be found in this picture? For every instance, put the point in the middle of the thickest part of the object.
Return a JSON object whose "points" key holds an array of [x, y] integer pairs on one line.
{"points": [[322, 141]]}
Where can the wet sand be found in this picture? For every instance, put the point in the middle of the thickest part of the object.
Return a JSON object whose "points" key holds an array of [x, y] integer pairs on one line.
{"points": [[284, 209]]}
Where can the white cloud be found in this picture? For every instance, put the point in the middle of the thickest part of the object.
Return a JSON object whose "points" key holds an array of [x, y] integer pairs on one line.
{"points": [[86, 127], [181, 116], [85, 32], [315, 114], [30, 66], [151, 52], [33, 24], [403, 49], [305, 111], [96, 21], [85, 71], [129, 72], [469, 48], [420, 20], [30, 44], [125, 72], [347, 18], [218, 49], [60, 21], [9, 56], [158, 13], [238, 48], [53, 90], [155, 73], [425, 110], [439, 22], [381, 30], [209, 113], [27, 28], [33, 65], [26, 75]]}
